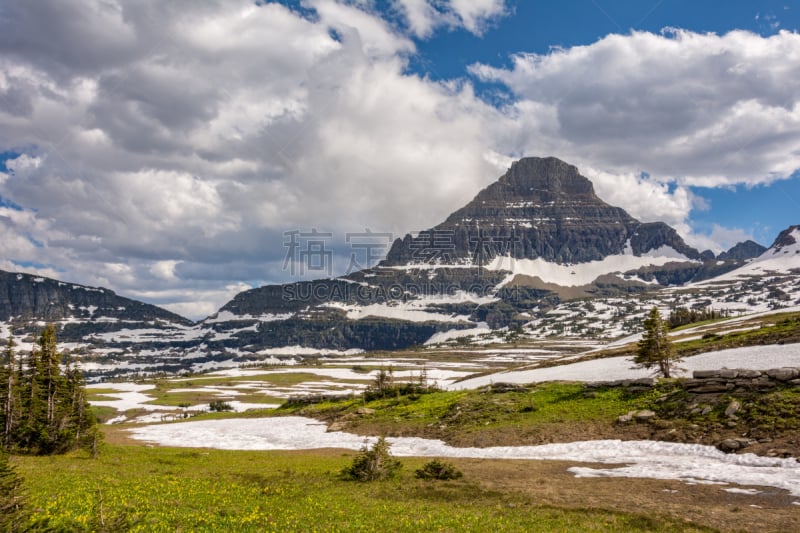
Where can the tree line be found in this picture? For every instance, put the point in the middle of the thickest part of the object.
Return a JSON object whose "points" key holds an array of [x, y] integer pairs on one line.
{"points": [[43, 406], [681, 316]]}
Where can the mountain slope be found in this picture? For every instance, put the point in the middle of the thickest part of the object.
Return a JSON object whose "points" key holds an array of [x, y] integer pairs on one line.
{"points": [[781, 259], [107, 332], [536, 237], [28, 297]]}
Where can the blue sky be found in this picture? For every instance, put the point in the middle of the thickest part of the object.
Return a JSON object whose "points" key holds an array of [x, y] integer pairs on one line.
{"points": [[166, 149], [537, 27]]}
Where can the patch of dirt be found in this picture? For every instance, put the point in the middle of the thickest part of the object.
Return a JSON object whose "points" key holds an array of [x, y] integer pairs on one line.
{"points": [[506, 435], [119, 434], [545, 434], [549, 483]]}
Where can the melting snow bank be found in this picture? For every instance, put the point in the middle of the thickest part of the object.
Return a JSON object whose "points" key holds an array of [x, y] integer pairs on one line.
{"points": [[645, 459], [612, 368], [132, 396]]}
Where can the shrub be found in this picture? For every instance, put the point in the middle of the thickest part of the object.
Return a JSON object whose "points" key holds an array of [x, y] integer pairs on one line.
{"points": [[374, 463], [219, 405], [437, 469]]}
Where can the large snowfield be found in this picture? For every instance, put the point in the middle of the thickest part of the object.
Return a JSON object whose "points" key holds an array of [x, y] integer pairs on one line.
{"points": [[614, 368], [691, 463], [584, 273]]}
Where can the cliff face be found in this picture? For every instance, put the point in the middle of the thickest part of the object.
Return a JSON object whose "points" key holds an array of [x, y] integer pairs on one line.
{"points": [[26, 297], [541, 208]]}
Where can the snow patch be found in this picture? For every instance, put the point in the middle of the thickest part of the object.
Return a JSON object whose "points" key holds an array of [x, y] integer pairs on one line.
{"points": [[614, 368], [444, 336], [227, 316], [584, 273], [649, 459], [302, 350], [737, 490], [416, 310]]}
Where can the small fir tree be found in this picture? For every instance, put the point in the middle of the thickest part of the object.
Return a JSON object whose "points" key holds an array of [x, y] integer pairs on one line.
{"points": [[373, 463], [655, 349]]}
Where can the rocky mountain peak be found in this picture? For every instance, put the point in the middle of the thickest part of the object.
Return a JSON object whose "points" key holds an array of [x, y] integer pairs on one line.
{"points": [[540, 208], [787, 239], [543, 179], [742, 251]]}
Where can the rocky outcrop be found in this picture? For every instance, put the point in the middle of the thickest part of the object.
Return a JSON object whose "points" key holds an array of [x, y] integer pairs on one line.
{"points": [[26, 297], [743, 251], [786, 239], [739, 380], [714, 381], [733, 409]]}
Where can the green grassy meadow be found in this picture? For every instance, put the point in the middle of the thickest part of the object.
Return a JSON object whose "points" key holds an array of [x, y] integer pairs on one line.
{"points": [[139, 488]]}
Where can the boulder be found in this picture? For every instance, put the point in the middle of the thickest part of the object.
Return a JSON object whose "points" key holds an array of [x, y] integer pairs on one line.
{"points": [[508, 387], [705, 374], [337, 426], [626, 418], [783, 374], [729, 445], [644, 415], [749, 374], [732, 408]]}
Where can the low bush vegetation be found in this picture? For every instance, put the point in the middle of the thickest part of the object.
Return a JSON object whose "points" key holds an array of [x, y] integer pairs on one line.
{"points": [[439, 470], [219, 406], [373, 463]]}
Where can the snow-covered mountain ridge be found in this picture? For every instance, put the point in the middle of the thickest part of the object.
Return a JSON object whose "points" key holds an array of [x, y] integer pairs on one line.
{"points": [[536, 253], [535, 241]]}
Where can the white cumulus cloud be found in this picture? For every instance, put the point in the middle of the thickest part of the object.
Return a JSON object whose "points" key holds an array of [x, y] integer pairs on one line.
{"points": [[424, 16], [165, 148]]}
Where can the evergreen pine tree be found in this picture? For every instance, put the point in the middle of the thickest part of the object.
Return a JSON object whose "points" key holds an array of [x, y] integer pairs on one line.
{"points": [[8, 388], [30, 433], [82, 422], [655, 348], [51, 382], [12, 510], [42, 409]]}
